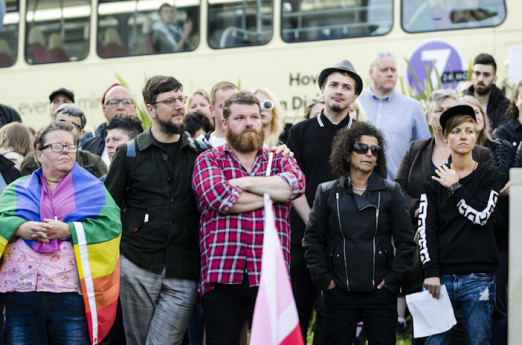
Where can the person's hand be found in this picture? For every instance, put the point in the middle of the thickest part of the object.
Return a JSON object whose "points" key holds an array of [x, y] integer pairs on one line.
{"points": [[57, 229], [432, 284], [446, 176], [32, 231], [382, 285], [283, 150], [331, 286], [187, 27], [416, 213], [505, 191]]}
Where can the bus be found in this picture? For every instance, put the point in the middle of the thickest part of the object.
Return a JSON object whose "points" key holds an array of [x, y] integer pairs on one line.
{"points": [[86, 45]]}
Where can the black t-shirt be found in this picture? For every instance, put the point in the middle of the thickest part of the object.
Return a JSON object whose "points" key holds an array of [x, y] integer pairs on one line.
{"points": [[172, 150], [311, 142]]}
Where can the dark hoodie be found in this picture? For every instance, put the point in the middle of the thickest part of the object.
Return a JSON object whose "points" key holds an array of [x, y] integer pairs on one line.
{"points": [[497, 107]]}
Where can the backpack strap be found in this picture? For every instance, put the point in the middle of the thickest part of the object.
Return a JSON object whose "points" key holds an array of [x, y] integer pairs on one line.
{"points": [[202, 144], [129, 164]]}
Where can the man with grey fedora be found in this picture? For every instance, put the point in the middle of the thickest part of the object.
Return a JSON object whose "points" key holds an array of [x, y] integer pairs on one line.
{"points": [[311, 142]]}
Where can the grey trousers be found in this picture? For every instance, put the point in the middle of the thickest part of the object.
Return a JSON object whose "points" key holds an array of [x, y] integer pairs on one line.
{"points": [[155, 309]]}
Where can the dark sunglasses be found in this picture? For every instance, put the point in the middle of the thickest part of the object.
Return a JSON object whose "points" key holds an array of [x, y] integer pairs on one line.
{"points": [[362, 149]]}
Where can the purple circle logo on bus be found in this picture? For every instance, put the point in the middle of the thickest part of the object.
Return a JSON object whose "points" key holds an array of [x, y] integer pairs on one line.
{"points": [[443, 59]]}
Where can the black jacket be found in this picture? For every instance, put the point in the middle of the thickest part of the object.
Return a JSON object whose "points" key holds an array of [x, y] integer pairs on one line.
{"points": [[348, 238], [96, 144], [497, 107], [160, 218], [511, 131], [8, 170]]}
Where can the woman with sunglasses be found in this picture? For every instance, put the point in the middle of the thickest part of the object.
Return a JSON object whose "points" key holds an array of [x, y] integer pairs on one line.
{"points": [[348, 239], [271, 116]]}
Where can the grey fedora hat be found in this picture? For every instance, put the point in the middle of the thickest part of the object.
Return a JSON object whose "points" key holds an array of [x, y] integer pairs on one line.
{"points": [[343, 66]]}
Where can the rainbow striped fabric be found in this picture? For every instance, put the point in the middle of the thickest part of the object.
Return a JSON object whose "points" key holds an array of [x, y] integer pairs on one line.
{"points": [[95, 223]]}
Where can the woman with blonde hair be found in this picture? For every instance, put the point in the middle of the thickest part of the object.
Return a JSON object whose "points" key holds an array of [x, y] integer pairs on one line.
{"points": [[15, 142], [314, 107], [271, 115], [199, 102], [356, 112]]}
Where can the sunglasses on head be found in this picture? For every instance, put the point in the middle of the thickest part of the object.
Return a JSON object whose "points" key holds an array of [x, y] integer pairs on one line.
{"points": [[380, 55], [362, 149], [267, 105]]}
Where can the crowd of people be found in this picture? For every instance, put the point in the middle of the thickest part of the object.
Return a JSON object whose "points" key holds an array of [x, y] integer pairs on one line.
{"points": [[133, 235]]}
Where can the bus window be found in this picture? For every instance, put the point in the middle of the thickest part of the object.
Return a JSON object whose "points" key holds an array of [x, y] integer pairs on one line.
{"points": [[127, 28], [56, 30], [239, 23], [9, 34], [310, 20], [437, 15]]}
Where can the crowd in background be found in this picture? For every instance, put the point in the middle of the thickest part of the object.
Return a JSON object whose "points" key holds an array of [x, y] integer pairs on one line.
{"points": [[390, 129]]}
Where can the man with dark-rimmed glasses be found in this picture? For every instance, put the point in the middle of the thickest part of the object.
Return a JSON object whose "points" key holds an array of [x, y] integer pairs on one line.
{"points": [[159, 246], [116, 100]]}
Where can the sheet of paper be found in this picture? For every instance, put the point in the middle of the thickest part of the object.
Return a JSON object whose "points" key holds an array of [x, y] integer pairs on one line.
{"points": [[430, 315], [515, 64]]}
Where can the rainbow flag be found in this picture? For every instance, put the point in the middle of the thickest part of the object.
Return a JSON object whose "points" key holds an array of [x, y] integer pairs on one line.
{"points": [[95, 223]]}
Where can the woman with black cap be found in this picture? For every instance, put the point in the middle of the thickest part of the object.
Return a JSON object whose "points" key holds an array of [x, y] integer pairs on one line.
{"points": [[457, 243]]}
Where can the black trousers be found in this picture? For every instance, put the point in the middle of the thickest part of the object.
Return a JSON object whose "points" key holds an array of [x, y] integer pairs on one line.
{"points": [[303, 288], [225, 309], [377, 309]]}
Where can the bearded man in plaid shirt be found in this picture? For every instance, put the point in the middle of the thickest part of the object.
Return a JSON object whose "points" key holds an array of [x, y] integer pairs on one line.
{"points": [[229, 182]]}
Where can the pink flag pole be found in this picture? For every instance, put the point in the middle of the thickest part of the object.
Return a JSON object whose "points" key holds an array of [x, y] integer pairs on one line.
{"points": [[275, 320]]}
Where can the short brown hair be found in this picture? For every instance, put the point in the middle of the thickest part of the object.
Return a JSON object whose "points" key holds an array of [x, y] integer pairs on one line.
{"points": [[457, 120], [222, 85], [485, 59], [159, 84], [241, 97]]}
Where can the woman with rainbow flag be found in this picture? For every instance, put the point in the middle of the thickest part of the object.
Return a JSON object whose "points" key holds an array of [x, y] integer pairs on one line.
{"points": [[59, 235]]}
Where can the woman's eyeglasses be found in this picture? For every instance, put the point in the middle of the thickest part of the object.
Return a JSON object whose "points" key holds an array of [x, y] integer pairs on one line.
{"points": [[362, 149], [267, 105], [58, 148]]}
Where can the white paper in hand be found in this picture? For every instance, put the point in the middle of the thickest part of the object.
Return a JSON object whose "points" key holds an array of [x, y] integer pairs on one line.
{"points": [[430, 315]]}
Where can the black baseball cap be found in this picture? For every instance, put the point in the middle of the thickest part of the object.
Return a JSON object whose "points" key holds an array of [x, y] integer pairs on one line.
{"points": [[454, 111], [64, 91]]}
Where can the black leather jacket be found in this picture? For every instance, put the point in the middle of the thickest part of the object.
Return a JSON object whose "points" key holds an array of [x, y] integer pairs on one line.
{"points": [[348, 238]]}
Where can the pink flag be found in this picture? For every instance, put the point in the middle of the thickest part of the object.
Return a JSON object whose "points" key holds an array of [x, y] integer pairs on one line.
{"points": [[275, 320]]}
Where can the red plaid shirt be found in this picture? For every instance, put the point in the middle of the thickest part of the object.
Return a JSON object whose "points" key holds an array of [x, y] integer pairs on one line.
{"points": [[233, 242]]}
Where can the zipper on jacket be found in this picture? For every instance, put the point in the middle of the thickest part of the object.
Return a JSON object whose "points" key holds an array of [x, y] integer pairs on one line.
{"points": [[375, 235], [344, 241]]}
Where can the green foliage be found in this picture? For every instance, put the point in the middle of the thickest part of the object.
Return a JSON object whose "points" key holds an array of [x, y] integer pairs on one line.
{"points": [[141, 112]]}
